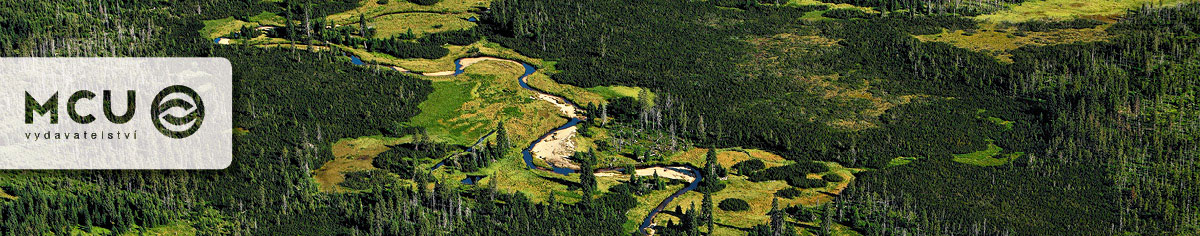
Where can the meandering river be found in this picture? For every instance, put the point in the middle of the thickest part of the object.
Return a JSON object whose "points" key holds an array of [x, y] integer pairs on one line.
{"points": [[569, 110]]}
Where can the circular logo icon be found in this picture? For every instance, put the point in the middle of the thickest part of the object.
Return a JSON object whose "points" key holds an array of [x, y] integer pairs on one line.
{"points": [[180, 126]]}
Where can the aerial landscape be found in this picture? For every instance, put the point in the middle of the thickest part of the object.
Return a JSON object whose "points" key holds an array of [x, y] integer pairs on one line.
{"points": [[649, 117]]}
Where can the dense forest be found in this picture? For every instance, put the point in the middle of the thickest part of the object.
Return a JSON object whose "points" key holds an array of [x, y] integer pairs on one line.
{"points": [[1103, 125], [1103, 133]]}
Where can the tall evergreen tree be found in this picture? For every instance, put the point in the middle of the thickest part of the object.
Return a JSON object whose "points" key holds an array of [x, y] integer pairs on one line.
{"points": [[706, 206]]}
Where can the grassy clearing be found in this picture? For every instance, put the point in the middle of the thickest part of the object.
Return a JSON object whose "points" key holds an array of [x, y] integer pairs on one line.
{"points": [[831, 5], [464, 108], [371, 8], [445, 63], [1007, 124], [986, 157], [1104, 10], [441, 107], [220, 27], [268, 18], [351, 155], [578, 95], [510, 175], [758, 194], [420, 23], [728, 157], [996, 41], [611, 92], [899, 161]]}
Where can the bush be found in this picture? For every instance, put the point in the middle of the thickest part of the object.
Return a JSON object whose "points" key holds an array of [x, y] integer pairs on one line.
{"points": [[805, 182], [734, 204], [788, 171], [833, 178], [788, 193], [367, 179], [749, 166], [382, 2], [425, 2], [847, 13]]}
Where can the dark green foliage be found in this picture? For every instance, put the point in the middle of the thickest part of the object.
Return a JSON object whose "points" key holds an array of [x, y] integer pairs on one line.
{"points": [[711, 178], [847, 13], [425, 2], [788, 171], [833, 178], [733, 204], [789, 193], [748, 166], [804, 182], [367, 179], [624, 109], [402, 48], [456, 37]]}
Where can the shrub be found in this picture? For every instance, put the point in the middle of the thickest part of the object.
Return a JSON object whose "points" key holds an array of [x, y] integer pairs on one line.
{"points": [[749, 166], [788, 171], [847, 13], [382, 2], [833, 178], [734, 204], [367, 179], [805, 182], [788, 193], [425, 2]]}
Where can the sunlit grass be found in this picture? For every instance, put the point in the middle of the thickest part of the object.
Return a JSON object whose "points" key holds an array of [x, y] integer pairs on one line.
{"points": [[372, 8], [445, 63], [996, 41], [728, 157], [419, 23], [220, 27], [986, 157], [465, 107], [578, 95], [831, 5], [759, 195], [1105, 10], [268, 18], [899, 161]]}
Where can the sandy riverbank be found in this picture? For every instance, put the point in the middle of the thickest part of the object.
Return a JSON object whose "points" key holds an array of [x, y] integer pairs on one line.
{"points": [[556, 148], [679, 173]]}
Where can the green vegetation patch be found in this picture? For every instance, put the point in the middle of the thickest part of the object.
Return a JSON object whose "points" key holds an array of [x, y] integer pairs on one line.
{"points": [[1108, 10], [419, 24], [734, 204], [220, 27], [986, 157], [4, 195], [439, 111], [899, 161], [617, 91], [268, 18]]}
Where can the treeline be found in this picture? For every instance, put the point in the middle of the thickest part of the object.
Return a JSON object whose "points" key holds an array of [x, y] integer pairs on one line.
{"points": [[428, 47], [52, 204], [243, 10]]}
